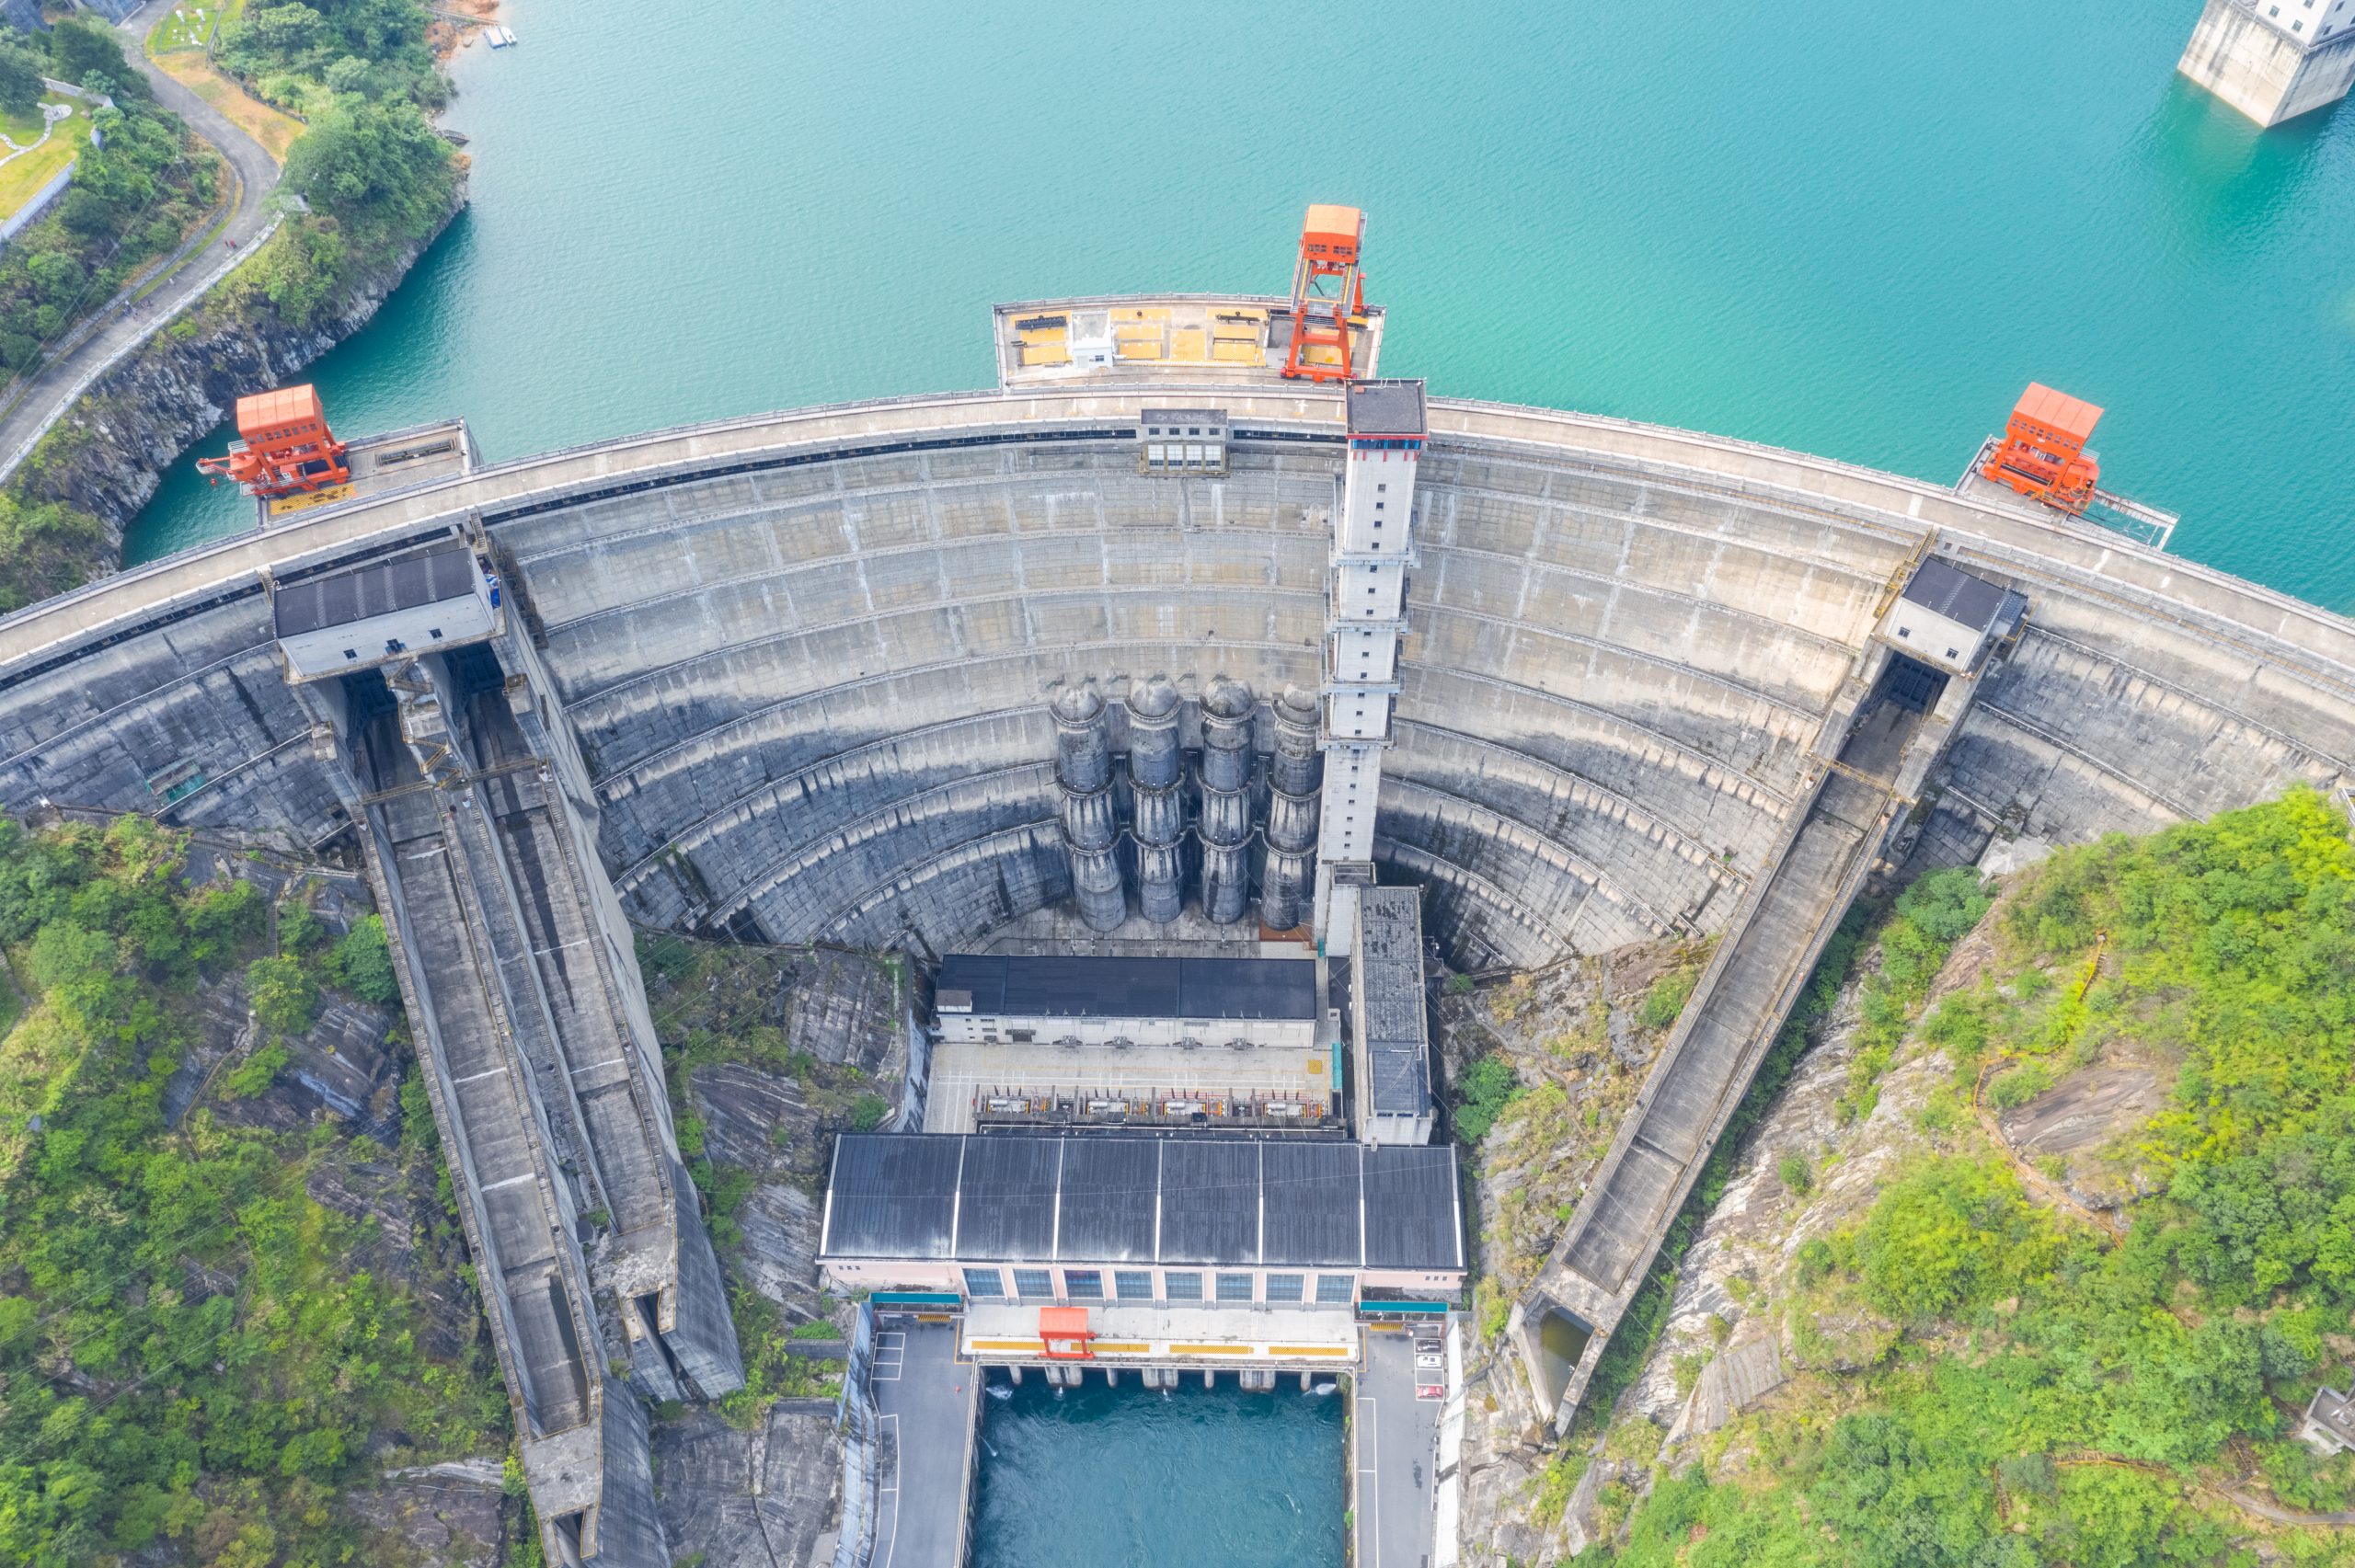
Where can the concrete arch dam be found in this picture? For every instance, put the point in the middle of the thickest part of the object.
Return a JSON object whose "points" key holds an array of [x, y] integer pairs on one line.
{"points": [[788, 675]]}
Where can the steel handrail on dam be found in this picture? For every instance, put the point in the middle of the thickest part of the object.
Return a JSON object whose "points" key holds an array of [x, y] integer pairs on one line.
{"points": [[2016, 540]]}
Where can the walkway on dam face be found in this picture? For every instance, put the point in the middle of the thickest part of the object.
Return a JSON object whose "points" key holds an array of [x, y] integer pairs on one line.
{"points": [[1733, 1017], [591, 1068], [536, 1287]]}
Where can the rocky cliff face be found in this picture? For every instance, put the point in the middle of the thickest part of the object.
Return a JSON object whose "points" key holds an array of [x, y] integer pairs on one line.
{"points": [[108, 455], [1575, 1039], [1731, 1339]]}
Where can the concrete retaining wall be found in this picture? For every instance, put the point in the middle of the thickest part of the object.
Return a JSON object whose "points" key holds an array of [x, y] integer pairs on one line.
{"points": [[33, 211]]}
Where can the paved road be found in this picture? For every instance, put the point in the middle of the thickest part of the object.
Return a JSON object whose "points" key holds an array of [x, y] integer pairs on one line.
{"points": [[925, 1401], [1396, 1438], [257, 177]]}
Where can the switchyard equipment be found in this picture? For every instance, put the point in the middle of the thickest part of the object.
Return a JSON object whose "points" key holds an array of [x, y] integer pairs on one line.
{"points": [[2042, 454], [1327, 294], [284, 447]]}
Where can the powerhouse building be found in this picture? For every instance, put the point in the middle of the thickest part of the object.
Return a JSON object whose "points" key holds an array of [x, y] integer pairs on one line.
{"points": [[1187, 1251]]}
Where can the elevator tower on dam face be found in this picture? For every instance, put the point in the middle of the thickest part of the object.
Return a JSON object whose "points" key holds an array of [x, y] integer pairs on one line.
{"points": [[1372, 549]]}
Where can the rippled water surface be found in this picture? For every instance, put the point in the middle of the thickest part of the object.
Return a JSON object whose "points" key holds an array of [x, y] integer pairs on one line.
{"points": [[1129, 1476], [1846, 226]]}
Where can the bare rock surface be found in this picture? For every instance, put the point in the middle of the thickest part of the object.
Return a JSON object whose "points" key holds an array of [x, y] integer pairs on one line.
{"points": [[1573, 1036], [759, 1499], [444, 1516], [2086, 1110]]}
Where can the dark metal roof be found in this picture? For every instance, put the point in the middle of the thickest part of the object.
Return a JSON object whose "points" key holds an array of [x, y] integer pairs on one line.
{"points": [[1111, 1198], [1005, 1198], [1028, 987], [1387, 408], [1413, 1215], [1210, 1201], [383, 587], [1389, 976], [894, 1197], [1031, 1199], [1947, 589], [1310, 1201]]}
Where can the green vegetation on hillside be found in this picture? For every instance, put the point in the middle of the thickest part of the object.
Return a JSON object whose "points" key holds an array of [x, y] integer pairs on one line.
{"points": [[133, 199], [2040, 1392], [186, 1354], [1483, 1090]]}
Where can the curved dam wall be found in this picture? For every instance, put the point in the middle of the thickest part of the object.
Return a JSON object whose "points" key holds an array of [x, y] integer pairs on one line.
{"points": [[807, 657]]}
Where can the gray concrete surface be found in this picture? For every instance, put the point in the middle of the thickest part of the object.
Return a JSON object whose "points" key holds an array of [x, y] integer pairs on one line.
{"points": [[926, 1401], [120, 325], [1394, 1448], [546, 1087]]}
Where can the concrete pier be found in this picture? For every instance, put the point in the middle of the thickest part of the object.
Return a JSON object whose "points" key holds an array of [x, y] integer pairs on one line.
{"points": [[2273, 60]]}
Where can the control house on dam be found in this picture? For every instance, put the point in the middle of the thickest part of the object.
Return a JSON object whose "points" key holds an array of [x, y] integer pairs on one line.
{"points": [[1026, 674]]}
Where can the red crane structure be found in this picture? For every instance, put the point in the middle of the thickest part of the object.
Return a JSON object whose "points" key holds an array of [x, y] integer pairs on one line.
{"points": [[2042, 453], [284, 446], [1328, 295]]}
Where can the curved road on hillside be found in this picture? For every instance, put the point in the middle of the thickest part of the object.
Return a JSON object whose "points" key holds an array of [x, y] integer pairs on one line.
{"points": [[123, 325]]}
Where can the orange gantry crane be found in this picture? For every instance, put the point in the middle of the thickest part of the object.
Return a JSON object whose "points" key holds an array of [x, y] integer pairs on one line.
{"points": [[2042, 453], [1328, 295], [284, 446]]}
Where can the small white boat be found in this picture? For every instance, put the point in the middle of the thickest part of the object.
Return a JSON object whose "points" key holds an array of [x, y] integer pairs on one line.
{"points": [[508, 34], [498, 37]]}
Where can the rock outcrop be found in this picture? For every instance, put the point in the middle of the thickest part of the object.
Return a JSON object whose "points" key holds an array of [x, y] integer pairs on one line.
{"points": [[1574, 1037]]}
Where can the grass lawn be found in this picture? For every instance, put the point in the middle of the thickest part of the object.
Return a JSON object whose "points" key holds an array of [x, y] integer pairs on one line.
{"points": [[274, 131], [188, 26], [23, 174]]}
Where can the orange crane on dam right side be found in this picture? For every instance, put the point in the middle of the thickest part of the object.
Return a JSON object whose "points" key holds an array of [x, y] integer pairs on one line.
{"points": [[2043, 455]]}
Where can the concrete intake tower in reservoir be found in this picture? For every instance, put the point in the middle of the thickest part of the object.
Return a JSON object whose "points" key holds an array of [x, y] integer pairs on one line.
{"points": [[898, 674]]}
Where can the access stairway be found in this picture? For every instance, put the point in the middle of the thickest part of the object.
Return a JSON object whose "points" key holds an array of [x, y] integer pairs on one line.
{"points": [[1884, 750], [542, 1069]]}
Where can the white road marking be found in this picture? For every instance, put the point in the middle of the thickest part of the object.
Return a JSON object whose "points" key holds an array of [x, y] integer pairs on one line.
{"points": [[893, 1550]]}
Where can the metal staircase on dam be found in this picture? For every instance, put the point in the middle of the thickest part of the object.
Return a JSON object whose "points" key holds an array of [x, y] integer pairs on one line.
{"points": [[1882, 737], [542, 1074]]}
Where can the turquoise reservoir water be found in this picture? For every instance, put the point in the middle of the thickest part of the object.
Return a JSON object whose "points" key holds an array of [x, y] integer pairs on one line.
{"points": [[1127, 1476], [1850, 227]]}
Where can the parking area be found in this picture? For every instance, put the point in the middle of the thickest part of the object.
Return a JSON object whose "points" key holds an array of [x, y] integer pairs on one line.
{"points": [[1395, 1436], [924, 1397]]}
